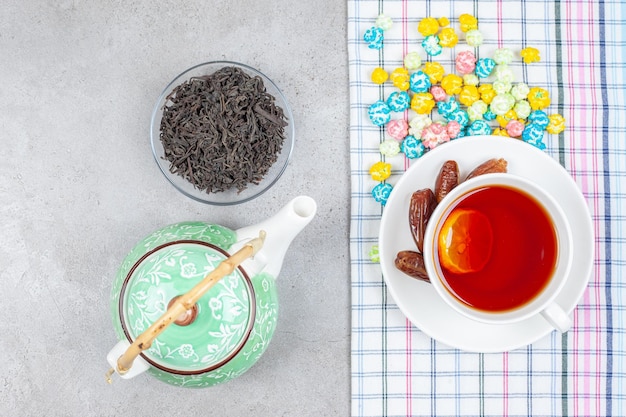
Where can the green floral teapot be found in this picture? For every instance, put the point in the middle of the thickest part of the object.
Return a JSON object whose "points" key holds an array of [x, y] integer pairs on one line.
{"points": [[227, 327]]}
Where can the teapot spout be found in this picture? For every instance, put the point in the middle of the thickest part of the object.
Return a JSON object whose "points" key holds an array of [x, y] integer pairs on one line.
{"points": [[281, 229]]}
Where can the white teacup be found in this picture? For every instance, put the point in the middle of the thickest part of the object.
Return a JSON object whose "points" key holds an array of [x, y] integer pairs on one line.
{"points": [[461, 286]]}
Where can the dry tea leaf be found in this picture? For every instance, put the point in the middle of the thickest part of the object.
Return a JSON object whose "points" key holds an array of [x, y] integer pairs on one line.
{"points": [[447, 179], [412, 264], [492, 166], [421, 208]]}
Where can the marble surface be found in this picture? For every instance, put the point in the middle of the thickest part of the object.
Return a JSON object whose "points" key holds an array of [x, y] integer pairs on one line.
{"points": [[79, 187]]}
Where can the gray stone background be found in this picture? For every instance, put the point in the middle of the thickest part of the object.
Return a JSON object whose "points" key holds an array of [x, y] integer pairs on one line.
{"points": [[79, 187]]}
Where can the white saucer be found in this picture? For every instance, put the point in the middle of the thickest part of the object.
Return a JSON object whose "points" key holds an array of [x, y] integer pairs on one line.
{"points": [[419, 301]]}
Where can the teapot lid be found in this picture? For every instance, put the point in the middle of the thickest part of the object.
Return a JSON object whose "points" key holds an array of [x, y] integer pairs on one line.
{"points": [[207, 336]]}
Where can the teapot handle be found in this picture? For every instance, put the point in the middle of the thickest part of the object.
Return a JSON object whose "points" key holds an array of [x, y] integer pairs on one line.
{"points": [[181, 306]]}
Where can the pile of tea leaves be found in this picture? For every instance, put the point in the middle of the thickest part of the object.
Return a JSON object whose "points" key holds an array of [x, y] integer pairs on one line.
{"points": [[222, 131]]}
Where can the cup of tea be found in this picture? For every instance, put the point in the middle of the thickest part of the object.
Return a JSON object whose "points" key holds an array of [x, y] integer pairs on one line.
{"points": [[498, 249]]}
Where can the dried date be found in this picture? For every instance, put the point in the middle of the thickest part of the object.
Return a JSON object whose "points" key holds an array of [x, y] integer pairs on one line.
{"points": [[422, 205], [412, 264], [447, 179], [492, 166]]}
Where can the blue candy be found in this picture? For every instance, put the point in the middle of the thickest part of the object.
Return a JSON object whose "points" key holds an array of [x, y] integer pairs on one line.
{"points": [[412, 147], [479, 127], [539, 118], [484, 66], [431, 45], [374, 37], [533, 134], [419, 82], [381, 192], [399, 101], [379, 113], [489, 115], [446, 108], [459, 116]]}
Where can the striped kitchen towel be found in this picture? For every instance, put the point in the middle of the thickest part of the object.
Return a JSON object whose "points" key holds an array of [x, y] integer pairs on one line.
{"points": [[397, 370]]}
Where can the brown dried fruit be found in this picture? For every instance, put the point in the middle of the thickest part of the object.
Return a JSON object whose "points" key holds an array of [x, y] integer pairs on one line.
{"points": [[491, 166], [447, 179], [412, 264], [421, 208]]}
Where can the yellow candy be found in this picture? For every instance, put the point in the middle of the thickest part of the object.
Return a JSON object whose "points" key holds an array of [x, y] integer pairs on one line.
{"points": [[435, 71], [487, 93], [452, 83], [538, 98], [422, 103], [556, 125], [443, 21], [500, 132], [428, 26], [379, 76], [469, 94], [508, 116], [380, 171], [448, 38], [530, 55], [400, 78], [468, 22]]}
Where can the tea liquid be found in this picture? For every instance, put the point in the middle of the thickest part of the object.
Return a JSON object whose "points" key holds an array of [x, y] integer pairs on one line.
{"points": [[523, 254]]}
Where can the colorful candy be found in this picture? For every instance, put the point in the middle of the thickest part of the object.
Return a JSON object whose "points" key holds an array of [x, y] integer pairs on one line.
{"points": [[538, 98], [431, 45], [522, 108], [446, 108], [400, 78], [520, 91], [443, 21], [465, 62], [389, 147], [539, 118], [484, 66], [530, 55], [477, 110], [412, 147], [470, 79], [380, 171], [502, 72], [379, 75], [487, 93], [434, 135], [453, 128], [398, 129], [422, 103], [533, 134], [468, 95], [379, 113], [374, 37], [468, 22], [418, 123], [412, 61], [448, 38], [514, 128], [474, 38], [428, 26], [439, 94], [460, 116], [399, 101], [374, 255], [479, 127], [435, 71], [419, 82], [452, 83], [503, 56], [556, 125], [381, 192], [502, 103], [384, 22], [501, 87]]}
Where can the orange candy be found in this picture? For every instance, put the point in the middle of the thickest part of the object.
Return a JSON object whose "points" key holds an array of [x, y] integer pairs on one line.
{"points": [[465, 241]]}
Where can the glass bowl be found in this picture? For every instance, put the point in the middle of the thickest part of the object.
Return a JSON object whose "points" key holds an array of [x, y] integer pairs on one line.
{"points": [[231, 195]]}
